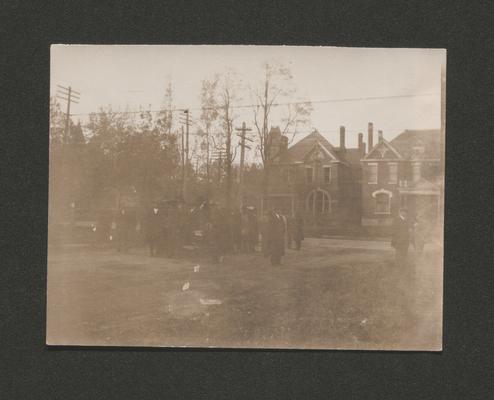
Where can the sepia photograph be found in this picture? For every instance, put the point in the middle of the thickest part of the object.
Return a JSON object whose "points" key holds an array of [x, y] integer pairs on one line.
{"points": [[260, 197]]}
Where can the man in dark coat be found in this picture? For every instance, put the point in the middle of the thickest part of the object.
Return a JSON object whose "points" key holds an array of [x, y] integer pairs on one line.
{"points": [[219, 233], [297, 226], [401, 237], [122, 221], [153, 231], [290, 221], [252, 231], [275, 237], [236, 230], [172, 232]]}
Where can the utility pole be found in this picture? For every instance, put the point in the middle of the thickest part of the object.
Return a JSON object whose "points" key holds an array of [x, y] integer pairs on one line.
{"points": [[219, 168], [187, 124], [243, 137], [185, 164], [207, 165], [70, 96], [217, 157]]}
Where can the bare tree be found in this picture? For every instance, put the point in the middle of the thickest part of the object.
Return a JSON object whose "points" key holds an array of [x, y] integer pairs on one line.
{"points": [[227, 95], [209, 115], [219, 95], [165, 116], [276, 90]]}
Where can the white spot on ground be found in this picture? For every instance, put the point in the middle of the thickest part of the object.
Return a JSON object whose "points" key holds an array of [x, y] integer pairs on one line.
{"points": [[210, 302]]}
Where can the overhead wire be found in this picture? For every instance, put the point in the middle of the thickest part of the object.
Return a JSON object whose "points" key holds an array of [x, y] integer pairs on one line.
{"points": [[336, 100]]}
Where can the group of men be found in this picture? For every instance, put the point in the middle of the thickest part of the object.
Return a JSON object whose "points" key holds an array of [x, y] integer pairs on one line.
{"points": [[218, 230], [241, 231], [229, 231], [166, 230]]}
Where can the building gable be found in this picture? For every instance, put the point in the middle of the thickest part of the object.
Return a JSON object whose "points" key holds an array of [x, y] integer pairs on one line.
{"points": [[418, 144], [319, 153], [300, 150], [383, 151]]}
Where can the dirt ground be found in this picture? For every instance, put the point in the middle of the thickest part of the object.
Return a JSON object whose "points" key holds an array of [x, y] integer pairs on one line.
{"points": [[340, 294]]}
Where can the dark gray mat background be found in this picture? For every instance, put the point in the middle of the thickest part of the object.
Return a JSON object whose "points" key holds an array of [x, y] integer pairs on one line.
{"points": [[28, 369]]}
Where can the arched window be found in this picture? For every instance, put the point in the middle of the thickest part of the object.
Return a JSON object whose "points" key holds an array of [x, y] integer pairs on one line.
{"points": [[383, 201], [318, 201]]}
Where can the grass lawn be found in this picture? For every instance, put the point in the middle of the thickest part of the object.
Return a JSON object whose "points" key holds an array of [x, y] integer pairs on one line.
{"points": [[332, 294]]}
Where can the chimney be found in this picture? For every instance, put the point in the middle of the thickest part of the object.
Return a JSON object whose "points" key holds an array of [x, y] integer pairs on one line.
{"points": [[370, 139], [380, 136], [361, 144], [284, 143], [342, 137], [274, 142]]}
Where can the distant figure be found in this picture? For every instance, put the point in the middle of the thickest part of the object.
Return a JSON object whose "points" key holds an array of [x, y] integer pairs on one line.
{"points": [[172, 232], [219, 235], [264, 233], [275, 237], [252, 231], [184, 226], [420, 233], [124, 230], [290, 221], [285, 229], [103, 228], [244, 225], [153, 231], [401, 237], [297, 230], [236, 230]]}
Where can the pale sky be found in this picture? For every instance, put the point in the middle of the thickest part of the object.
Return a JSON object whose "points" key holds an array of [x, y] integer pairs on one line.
{"points": [[131, 76]]}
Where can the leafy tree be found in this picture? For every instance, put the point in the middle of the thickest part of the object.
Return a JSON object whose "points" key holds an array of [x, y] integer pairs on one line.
{"points": [[57, 123], [133, 153]]}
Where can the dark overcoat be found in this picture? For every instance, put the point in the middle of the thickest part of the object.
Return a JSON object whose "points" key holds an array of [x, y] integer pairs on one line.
{"points": [[401, 234], [154, 226], [276, 235]]}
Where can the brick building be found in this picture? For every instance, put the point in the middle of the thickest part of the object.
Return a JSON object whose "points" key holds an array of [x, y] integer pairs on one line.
{"points": [[341, 189], [403, 173], [318, 179]]}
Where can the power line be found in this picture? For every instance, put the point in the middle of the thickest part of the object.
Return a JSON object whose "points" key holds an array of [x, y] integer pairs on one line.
{"points": [[339, 100]]}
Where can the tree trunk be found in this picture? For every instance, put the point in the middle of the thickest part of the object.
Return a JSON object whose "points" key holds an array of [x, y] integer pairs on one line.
{"points": [[228, 168], [207, 165], [265, 188]]}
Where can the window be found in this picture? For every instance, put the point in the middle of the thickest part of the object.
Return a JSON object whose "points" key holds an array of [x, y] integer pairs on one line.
{"points": [[416, 167], [318, 201], [309, 174], [383, 203], [393, 173], [372, 173], [288, 175], [403, 201], [327, 174]]}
